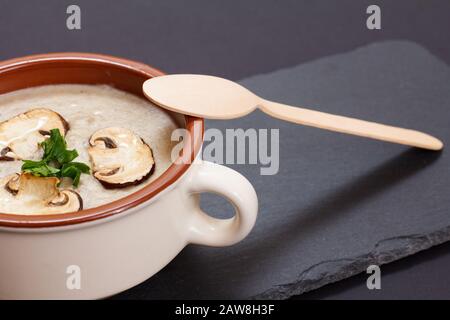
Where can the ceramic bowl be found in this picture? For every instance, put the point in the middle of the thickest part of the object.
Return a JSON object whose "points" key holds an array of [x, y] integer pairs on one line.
{"points": [[101, 251]]}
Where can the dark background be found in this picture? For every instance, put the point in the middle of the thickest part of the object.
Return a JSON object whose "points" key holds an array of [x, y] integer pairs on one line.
{"points": [[237, 39]]}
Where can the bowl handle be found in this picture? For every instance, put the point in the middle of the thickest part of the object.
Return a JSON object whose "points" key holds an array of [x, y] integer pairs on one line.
{"points": [[206, 230]]}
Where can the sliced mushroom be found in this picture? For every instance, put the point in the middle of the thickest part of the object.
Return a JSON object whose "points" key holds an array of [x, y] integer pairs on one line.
{"points": [[12, 185], [120, 158], [20, 136], [31, 195]]}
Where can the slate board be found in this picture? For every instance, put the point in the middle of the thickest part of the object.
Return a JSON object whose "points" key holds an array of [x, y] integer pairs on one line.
{"points": [[339, 203]]}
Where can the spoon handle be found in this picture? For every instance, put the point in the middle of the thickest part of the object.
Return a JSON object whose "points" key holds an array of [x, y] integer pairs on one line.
{"points": [[350, 126]]}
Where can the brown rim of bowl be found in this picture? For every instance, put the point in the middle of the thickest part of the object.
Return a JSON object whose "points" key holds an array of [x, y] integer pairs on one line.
{"points": [[136, 71]]}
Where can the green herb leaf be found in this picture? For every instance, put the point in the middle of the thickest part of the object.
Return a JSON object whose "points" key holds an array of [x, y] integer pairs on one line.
{"points": [[55, 149], [39, 168], [66, 156], [30, 164], [73, 170], [57, 160], [84, 168]]}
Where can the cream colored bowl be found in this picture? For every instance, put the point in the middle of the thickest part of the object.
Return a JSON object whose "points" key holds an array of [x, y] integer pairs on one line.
{"points": [[98, 252]]}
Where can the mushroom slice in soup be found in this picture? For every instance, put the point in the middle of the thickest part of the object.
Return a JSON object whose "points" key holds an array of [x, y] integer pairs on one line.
{"points": [[20, 136], [120, 158], [31, 195]]}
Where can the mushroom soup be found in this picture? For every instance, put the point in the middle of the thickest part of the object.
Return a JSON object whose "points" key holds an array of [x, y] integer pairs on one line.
{"points": [[122, 143]]}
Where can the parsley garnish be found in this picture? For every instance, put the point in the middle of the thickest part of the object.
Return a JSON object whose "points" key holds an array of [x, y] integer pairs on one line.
{"points": [[57, 160]]}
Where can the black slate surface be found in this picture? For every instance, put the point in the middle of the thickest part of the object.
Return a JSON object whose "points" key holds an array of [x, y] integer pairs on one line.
{"points": [[338, 203]]}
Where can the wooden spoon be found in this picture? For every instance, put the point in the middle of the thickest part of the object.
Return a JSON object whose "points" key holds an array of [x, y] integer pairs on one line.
{"points": [[217, 98]]}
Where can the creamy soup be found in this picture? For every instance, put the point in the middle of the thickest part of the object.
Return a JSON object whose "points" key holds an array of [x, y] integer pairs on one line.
{"points": [[88, 108]]}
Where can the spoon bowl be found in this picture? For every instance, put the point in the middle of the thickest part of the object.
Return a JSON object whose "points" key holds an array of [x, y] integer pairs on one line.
{"points": [[201, 96]]}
